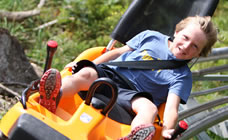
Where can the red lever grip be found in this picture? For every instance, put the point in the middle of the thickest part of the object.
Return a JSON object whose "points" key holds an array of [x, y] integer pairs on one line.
{"points": [[51, 48], [52, 44], [182, 126]]}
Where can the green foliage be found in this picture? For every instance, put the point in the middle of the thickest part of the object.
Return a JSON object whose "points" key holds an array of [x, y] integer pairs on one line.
{"points": [[214, 136], [17, 5], [14, 28], [221, 22], [91, 19], [81, 24]]}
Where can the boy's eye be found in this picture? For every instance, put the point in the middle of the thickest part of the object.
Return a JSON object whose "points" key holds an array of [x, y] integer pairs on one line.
{"points": [[195, 46], [185, 37]]}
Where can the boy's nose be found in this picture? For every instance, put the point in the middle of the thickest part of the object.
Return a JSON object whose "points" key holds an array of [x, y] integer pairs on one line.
{"points": [[187, 46]]}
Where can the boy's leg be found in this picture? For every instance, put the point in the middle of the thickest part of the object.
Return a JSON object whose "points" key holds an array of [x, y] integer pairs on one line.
{"points": [[142, 124], [145, 111], [50, 85], [79, 81]]}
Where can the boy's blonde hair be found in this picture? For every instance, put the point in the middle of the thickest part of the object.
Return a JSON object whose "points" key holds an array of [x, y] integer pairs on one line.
{"points": [[206, 26]]}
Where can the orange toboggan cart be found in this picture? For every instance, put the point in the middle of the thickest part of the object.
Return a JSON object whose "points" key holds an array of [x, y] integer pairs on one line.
{"points": [[96, 117]]}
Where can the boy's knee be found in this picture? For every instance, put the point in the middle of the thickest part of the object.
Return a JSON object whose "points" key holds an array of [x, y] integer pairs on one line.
{"points": [[87, 73], [143, 104]]}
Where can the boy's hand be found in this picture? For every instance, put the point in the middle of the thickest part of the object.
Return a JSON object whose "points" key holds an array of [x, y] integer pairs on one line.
{"points": [[167, 133], [70, 65]]}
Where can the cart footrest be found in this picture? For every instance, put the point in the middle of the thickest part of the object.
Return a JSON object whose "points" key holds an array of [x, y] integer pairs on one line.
{"points": [[29, 127]]}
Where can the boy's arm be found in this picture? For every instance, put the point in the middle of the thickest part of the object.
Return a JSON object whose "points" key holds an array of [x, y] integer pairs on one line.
{"points": [[111, 55], [170, 115]]}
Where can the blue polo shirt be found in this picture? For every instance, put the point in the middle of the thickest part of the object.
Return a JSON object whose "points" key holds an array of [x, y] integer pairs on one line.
{"points": [[152, 45]]}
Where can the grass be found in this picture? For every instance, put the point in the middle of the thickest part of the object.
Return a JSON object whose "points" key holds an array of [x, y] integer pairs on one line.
{"points": [[221, 22], [214, 136]]}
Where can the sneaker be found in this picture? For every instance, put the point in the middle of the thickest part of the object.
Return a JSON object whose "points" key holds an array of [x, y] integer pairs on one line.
{"points": [[142, 132], [50, 84]]}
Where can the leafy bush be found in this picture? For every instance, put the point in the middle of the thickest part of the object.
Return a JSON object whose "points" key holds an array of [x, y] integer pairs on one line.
{"points": [[91, 19], [81, 24], [221, 23]]}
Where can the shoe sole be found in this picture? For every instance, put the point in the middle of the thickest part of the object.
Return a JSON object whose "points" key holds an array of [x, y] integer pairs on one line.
{"points": [[50, 84], [142, 132], [145, 133]]}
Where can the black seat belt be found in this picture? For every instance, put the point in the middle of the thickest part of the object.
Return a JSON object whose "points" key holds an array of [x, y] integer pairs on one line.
{"points": [[149, 64]]}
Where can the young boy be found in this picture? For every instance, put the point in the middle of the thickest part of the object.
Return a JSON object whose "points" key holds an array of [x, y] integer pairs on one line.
{"points": [[193, 37]]}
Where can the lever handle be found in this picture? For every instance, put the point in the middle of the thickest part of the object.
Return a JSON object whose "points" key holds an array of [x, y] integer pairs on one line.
{"points": [[51, 48]]}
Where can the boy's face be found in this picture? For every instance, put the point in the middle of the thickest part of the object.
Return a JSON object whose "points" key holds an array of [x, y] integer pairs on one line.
{"points": [[188, 43]]}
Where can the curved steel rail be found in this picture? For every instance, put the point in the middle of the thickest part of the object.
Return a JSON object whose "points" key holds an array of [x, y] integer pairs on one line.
{"points": [[191, 111], [208, 121], [204, 92]]}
